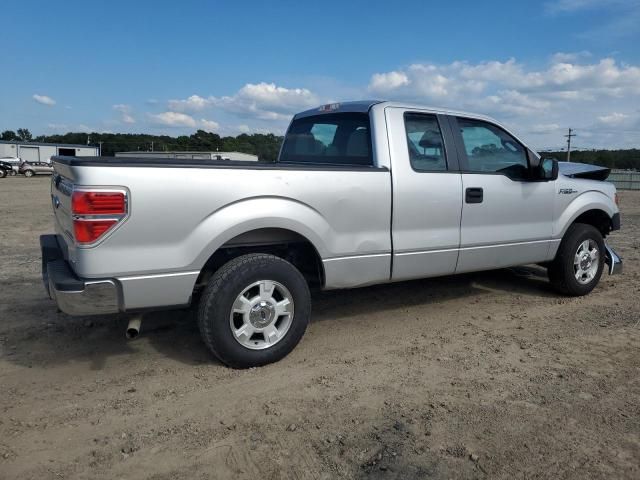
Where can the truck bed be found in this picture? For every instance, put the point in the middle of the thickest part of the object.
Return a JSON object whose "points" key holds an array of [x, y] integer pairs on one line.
{"points": [[203, 163], [182, 211]]}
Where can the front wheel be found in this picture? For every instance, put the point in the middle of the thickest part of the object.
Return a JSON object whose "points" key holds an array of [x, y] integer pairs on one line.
{"points": [[29, 173], [3, 173], [254, 310], [578, 265]]}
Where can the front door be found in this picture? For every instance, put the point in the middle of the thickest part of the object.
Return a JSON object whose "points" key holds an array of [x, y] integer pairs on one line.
{"points": [[506, 214]]}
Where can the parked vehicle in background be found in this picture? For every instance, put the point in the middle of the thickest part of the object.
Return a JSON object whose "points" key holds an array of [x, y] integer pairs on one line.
{"points": [[5, 169], [363, 193], [14, 162], [29, 169]]}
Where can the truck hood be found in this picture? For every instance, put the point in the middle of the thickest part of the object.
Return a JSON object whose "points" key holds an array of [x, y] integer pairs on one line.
{"points": [[583, 170]]}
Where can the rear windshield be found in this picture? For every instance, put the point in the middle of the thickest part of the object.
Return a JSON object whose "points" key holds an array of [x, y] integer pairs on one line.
{"points": [[334, 139]]}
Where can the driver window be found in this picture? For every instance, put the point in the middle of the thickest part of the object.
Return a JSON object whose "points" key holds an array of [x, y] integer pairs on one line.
{"points": [[424, 140], [491, 150]]}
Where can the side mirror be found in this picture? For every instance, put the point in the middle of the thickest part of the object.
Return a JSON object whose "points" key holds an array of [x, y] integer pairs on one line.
{"points": [[548, 168]]}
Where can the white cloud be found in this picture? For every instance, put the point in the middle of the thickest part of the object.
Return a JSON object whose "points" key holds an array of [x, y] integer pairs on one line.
{"points": [[597, 97], [172, 119], [571, 91], [125, 113], [614, 118], [570, 56], [544, 128], [194, 103], [264, 101], [209, 125], [388, 81], [44, 100], [182, 120]]}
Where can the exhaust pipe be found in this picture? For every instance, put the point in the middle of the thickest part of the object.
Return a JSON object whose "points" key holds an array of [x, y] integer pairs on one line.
{"points": [[133, 329]]}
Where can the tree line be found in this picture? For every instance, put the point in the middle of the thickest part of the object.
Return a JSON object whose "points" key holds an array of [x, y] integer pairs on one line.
{"points": [[265, 146]]}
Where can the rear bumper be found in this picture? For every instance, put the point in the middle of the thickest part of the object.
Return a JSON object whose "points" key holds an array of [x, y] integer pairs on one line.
{"points": [[613, 260], [74, 295]]}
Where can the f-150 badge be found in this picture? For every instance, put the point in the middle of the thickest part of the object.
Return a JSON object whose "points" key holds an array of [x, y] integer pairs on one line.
{"points": [[567, 191]]}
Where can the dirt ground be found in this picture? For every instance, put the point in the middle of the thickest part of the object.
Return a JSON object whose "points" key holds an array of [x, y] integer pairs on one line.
{"points": [[487, 375]]}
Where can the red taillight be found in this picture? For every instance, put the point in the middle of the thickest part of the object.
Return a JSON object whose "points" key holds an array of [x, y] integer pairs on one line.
{"points": [[88, 231], [98, 203], [95, 212]]}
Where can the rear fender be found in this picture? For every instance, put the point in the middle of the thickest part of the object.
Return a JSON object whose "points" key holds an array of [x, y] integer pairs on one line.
{"points": [[251, 214]]}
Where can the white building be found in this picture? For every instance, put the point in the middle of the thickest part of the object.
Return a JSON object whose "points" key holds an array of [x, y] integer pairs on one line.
{"points": [[42, 152], [192, 155]]}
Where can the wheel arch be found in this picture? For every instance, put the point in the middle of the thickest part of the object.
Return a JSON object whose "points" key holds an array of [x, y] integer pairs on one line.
{"points": [[284, 243], [597, 218], [592, 208]]}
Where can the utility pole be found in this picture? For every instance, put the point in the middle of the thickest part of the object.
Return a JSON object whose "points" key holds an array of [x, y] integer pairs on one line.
{"points": [[569, 144], [100, 149], [152, 145]]}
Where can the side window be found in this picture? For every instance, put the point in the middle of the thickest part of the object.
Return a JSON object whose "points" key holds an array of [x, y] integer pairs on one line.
{"points": [[424, 140], [492, 150]]}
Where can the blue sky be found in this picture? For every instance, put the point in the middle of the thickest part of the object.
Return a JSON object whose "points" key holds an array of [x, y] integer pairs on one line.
{"points": [[231, 67]]}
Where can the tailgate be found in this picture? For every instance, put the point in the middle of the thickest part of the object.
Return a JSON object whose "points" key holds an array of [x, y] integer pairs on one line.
{"points": [[61, 191]]}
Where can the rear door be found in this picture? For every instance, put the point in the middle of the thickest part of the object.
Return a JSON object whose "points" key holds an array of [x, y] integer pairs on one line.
{"points": [[506, 213], [427, 194]]}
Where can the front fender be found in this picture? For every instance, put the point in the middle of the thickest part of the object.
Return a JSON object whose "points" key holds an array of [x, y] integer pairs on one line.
{"points": [[589, 200]]}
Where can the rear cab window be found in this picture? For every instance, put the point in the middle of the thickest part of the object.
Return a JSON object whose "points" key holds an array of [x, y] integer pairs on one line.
{"points": [[329, 139]]}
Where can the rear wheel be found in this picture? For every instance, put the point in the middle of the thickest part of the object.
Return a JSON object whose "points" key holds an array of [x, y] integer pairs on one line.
{"points": [[29, 173], [254, 310], [578, 265]]}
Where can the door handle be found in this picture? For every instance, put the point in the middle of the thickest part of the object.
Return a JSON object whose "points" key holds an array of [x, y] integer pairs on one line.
{"points": [[473, 195]]}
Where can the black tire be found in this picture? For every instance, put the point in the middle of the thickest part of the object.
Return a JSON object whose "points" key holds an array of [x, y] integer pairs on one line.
{"points": [[561, 271], [3, 173], [223, 290]]}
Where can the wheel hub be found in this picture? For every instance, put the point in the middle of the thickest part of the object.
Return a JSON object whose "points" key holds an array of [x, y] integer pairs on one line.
{"points": [[262, 314], [585, 261]]}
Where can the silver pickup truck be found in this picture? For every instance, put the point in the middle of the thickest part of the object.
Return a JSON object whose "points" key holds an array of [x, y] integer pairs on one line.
{"points": [[362, 193]]}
